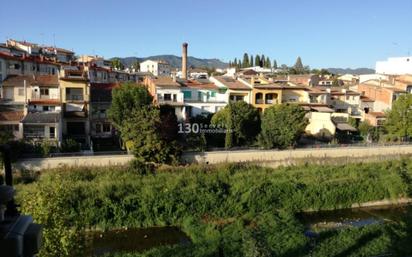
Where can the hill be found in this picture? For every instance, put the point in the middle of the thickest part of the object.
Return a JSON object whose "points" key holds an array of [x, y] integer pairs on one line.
{"points": [[358, 71], [176, 61]]}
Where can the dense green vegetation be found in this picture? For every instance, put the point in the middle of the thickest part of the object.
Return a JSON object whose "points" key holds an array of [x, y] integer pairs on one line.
{"points": [[226, 210], [242, 122], [282, 125], [399, 118], [148, 131]]}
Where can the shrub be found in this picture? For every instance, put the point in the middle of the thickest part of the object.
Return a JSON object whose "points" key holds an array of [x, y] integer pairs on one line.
{"points": [[70, 145]]}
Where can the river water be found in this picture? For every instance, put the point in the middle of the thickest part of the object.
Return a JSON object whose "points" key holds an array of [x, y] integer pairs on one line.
{"points": [[321, 220], [134, 240]]}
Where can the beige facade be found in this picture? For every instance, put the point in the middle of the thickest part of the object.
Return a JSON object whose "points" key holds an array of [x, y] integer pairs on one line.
{"points": [[75, 96]]}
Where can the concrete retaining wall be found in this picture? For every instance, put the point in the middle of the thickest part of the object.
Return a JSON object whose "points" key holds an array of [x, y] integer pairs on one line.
{"points": [[48, 163], [263, 156], [285, 155]]}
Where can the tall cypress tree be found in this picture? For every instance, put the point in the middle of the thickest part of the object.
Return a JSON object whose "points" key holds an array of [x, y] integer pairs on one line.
{"points": [[267, 63], [251, 61], [257, 60], [263, 61], [235, 63], [275, 64], [299, 65], [239, 64], [245, 62]]}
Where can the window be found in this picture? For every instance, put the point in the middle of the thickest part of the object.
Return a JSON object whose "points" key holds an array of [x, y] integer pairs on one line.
{"points": [[98, 128], [106, 127], [187, 95], [21, 92], [49, 108], [102, 113], [52, 132], [44, 91], [53, 71], [167, 97], [213, 94]]}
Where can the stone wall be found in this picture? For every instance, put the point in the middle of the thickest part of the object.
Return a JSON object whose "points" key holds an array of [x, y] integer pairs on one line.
{"points": [[277, 157]]}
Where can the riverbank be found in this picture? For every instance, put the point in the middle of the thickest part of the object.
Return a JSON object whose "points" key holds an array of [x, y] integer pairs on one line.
{"points": [[226, 208], [270, 158]]}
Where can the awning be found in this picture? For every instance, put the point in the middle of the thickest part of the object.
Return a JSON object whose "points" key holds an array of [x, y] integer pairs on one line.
{"points": [[345, 127]]}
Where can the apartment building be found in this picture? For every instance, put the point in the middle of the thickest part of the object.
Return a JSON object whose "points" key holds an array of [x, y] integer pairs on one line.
{"points": [[158, 68], [235, 89], [75, 99], [202, 97], [103, 134], [166, 91]]}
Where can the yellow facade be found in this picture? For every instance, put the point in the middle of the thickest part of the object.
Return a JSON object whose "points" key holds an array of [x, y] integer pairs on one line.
{"points": [[80, 85], [298, 95], [263, 98]]}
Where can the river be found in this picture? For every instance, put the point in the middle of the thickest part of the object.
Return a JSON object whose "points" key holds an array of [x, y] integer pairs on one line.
{"points": [[358, 217]]}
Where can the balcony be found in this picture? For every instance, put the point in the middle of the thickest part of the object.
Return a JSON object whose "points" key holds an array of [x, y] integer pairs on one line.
{"points": [[74, 98]]}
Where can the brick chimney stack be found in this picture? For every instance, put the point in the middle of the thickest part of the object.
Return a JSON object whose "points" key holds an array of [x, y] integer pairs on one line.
{"points": [[184, 61]]}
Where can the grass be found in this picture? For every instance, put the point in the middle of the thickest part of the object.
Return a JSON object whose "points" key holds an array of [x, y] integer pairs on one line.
{"points": [[227, 210]]}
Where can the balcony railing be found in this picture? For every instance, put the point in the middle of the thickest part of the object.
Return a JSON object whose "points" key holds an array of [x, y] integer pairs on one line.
{"points": [[270, 101], [44, 97], [34, 134], [259, 101], [74, 98]]}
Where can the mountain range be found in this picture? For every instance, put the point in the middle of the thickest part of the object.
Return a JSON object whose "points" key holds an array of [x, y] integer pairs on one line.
{"points": [[176, 62], [358, 71]]}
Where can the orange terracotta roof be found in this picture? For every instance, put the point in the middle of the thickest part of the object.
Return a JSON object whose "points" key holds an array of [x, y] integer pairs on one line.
{"points": [[11, 116], [166, 82], [366, 99], [377, 114], [31, 80], [232, 83], [196, 84], [45, 101]]}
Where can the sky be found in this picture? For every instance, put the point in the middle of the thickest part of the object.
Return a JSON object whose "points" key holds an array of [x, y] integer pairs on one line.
{"points": [[344, 34]]}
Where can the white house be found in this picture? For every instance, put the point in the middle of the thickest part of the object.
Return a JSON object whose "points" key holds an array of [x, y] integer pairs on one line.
{"points": [[395, 66], [202, 97], [158, 68]]}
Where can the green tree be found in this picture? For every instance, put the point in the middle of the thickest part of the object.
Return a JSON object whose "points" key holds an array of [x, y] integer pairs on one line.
{"points": [[299, 66], [149, 132], [267, 62], [242, 122], [136, 65], [369, 132], [399, 119], [251, 61], [282, 125], [235, 63], [263, 61], [142, 132], [245, 62], [275, 64], [125, 99], [257, 60], [117, 64]]}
